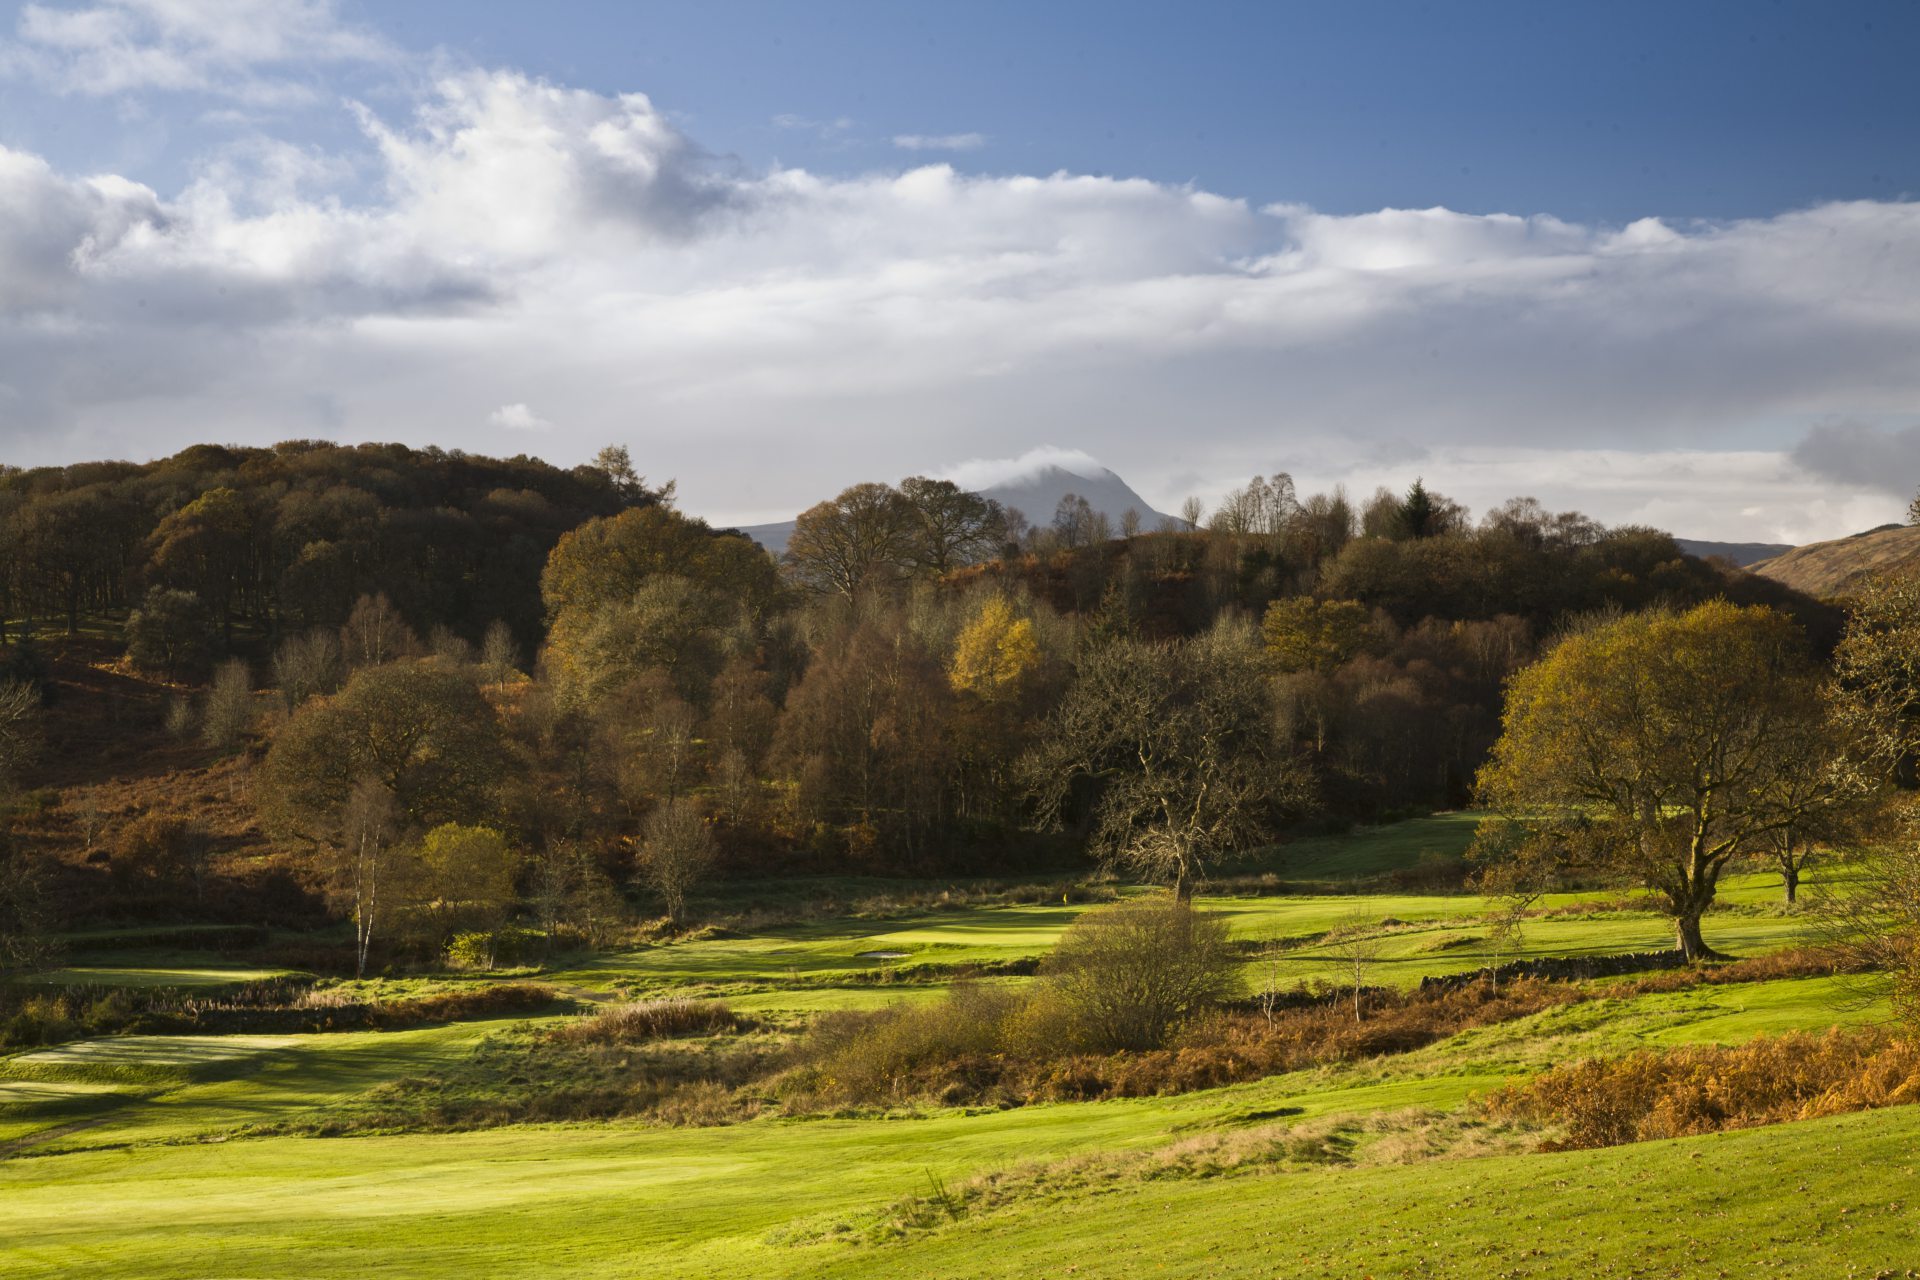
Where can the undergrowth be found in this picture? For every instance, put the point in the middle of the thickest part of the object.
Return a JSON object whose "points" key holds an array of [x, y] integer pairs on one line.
{"points": [[1698, 1089]]}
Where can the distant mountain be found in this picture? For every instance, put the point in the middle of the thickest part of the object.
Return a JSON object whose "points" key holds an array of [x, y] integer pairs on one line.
{"points": [[1034, 495], [1741, 553], [1833, 568]]}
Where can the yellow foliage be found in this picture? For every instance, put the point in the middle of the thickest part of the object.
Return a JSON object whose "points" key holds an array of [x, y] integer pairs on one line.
{"points": [[1303, 634], [994, 651]]}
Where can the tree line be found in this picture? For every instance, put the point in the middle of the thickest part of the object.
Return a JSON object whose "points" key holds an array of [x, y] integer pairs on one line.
{"points": [[222, 539], [607, 696]]}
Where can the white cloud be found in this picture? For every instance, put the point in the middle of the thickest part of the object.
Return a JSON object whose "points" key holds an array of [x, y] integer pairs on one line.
{"points": [[985, 473], [776, 335], [253, 50], [826, 130], [940, 141], [517, 417]]}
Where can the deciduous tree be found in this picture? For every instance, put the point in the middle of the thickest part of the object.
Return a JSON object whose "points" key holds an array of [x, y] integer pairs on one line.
{"points": [[423, 733], [1177, 741], [867, 536], [676, 853], [1658, 747], [995, 651]]}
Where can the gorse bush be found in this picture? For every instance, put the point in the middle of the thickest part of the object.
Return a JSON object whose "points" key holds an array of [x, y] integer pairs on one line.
{"points": [[1708, 1088]]}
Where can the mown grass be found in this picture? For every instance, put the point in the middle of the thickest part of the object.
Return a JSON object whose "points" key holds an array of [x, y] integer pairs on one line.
{"points": [[614, 1201], [166, 1185], [149, 1095]]}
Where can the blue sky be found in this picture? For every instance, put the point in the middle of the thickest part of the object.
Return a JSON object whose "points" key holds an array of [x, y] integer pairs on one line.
{"points": [[1591, 112], [1653, 260]]}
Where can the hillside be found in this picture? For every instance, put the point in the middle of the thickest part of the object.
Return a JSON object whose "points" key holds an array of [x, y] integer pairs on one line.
{"points": [[1743, 554], [1832, 568]]}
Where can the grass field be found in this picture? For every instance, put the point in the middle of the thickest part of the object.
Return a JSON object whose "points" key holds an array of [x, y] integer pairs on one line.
{"points": [[132, 1156]]}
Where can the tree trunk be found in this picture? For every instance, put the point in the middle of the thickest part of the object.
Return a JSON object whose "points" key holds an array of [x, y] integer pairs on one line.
{"points": [[1790, 878], [1687, 939]]}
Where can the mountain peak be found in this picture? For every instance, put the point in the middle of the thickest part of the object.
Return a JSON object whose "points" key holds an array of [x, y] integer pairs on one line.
{"points": [[1032, 484]]}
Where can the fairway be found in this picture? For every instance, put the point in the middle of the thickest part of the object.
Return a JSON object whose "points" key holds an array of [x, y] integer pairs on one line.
{"points": [[154, 1155]]}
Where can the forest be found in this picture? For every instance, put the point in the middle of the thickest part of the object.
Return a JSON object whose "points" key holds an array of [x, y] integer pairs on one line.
{"points": [[430, 668]]}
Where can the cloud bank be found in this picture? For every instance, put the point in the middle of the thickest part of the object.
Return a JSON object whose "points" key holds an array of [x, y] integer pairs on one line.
{"points": [[770, 336]]}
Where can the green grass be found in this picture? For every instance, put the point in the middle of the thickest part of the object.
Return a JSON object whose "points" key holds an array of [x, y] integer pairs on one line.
{"points": [[1374, 851], [797, 959], [163, 1181], [616, 1200], [150, 970], [174, 1088]]}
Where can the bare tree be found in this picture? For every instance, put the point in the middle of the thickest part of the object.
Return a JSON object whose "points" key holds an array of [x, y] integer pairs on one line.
{"points": [[450, 647], [368, 834], [1355, 943], [499, 655], [568, 890], [734, 777], [956, 527], [307, 666], [1178, 743], [90, 815], [27, 924], [179, 719], [1872, 923], [867, 535], [375, 633], [227, 713], [19, 731], [676, 853]]}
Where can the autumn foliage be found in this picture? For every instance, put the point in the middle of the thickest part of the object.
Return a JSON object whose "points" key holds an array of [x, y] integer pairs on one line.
{"points": [[1708, 1088]]}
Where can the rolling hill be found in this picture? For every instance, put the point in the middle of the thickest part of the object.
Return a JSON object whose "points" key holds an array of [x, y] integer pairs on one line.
{"points": [[1833, 568]]}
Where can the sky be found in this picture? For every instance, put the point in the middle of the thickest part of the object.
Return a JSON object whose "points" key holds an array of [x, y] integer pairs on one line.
{"points": [[1660, 263]]}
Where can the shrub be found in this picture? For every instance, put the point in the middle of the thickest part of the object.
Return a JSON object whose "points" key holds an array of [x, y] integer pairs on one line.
{"points": [[482, 949], [936, 1048], [987, 1042], [156, 846], [1127, 974], [650, 1020], [1708, 1088]]}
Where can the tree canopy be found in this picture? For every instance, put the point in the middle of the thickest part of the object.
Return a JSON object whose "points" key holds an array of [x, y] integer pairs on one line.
{"points": [[1657, 747]]}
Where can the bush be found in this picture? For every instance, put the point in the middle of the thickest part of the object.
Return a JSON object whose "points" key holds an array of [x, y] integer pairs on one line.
{"points": [[485, 948], [941, 1047], [1129, 973], [986, 1042], [650, 1020], [1708, 1088], [156, 846]]}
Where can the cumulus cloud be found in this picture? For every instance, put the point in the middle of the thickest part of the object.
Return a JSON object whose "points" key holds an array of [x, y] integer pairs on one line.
{"points": [[518, 417], [770, 336], [939, 141], [1884, 459], [254, 50]]}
